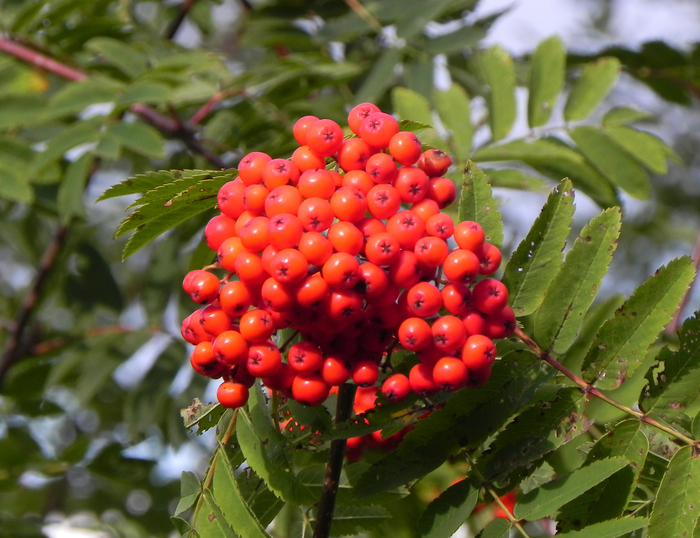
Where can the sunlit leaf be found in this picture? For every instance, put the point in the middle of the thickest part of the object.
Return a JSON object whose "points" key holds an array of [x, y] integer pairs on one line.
{"points": [[498, 72], [546, 80], [477, 204], [591, 88]]}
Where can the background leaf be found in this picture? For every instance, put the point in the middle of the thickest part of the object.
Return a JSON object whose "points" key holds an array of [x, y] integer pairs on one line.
{"points": [[546, 80], [447, 513], [499, 73], [591, 88], [477, 203]]}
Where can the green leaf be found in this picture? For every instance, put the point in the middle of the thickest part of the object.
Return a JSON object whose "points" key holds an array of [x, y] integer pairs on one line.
{"points": [[556, 160], [138, 137], [203, 416], [19, 110], [509, 178], [498, 528], [228, 498], [14, 187], [190, 488], [674, 383], [546, 80], [119, 54], [545, 500], [464, 37], [645, 147], [623, 341], [144, 91], [541, 429], [537, 259], [467, 420], [443, 516], [477, 204], [613, 162], [70, 192], [380, 78], [499, 73], [81, 132], [76, 96], [573, 289], [261, 445], [677, 503], [609, 499], [109, 148], [590, 89], [183, 527], [151, 180], [211, 522], [454, 110], [623, 115], [411, 105], [351, 520], [609, 529]]}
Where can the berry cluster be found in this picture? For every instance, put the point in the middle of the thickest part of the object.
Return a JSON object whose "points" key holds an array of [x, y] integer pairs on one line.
{"points": [[359, 259]]}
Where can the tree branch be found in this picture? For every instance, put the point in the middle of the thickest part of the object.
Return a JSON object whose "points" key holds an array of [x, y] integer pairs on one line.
{"points": [[177, 21], [167, 125], [587, 388], [334, 465]]}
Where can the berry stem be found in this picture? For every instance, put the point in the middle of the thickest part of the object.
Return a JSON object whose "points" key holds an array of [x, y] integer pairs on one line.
{"points": [[334, 465], [587, 388], [487, 486]]}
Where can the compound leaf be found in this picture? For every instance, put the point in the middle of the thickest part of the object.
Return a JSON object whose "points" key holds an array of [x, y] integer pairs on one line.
{"points": [[573, 289], [537, 259], [623, 341]]}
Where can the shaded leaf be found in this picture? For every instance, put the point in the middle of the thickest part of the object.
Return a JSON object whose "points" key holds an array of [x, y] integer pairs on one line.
{"points": [[119, 54], [70, 193], [573, 289], [190, 488], [645, 147], [350, 520], [545, 500], [590, 89], [609, 529], [477, 204], [498, 528], [623, 115], [677, 503], [14, 187], [622, 342], [613, 163], [537, 259], [546, 80], [454, 110], [509, 178], [443, 516], [144, 91], [138, 137], [380, 78], [77, 134], [76, 96], [499, 73], [211, 522]]}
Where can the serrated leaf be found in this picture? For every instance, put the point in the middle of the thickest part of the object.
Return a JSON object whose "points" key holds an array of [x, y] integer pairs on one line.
{"points": [[590, 89], [556, 160], [70, 193], [499, 73], [535, 432], [444, 515], [211, 522], [144, 91], [203, 416], [183, 527], [467, 420], [677, 503], [454, 110], [624, 340], [509, 178], [674, 383], [14, 187], [608, 529], [476, 203], [498, 528], [610, 498], [138, 137], [548, 498], [537, 259], [228, 498], [546, 80], [77, 134], [119, 54], [572, 291], [645, 147], [190, 488], [261, 446], [613, 162], [623, 115], [149, 181]]}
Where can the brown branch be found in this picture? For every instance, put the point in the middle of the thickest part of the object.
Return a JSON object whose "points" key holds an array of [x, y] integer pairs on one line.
{"points": [[334, 465], [672, 327], [589, 389], [177, 21], [165, 124], [11, 352]]}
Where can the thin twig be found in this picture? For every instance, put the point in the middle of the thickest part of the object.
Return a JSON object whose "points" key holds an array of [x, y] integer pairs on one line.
{"points": [[672, 327], [179, 19], [30, 301], [206, 108], [365, 15], [487, 486], [334, 465], [587, 388]]}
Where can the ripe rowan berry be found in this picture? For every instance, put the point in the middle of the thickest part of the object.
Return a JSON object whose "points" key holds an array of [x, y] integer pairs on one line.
{"points": [[456, 298], [254, 198], [425, 209], [434, 162], [442, 190], [232, 395], [283, 199], [478, 352], [254, 234], [346, 237], [440, 225], [381, 168], [424, 300], [358, 114], [284, 231], [310, 389], [407, 228], [353, 154], [315, 247], [412, 184], [358, 179], [421, 380], [349, 204], [203, 359], [250, 169], [415, 334], [341, 271], [230, 199], [312, 291], [489, 296], [431, 251], [218, 229], [370, 226], [365, 373], [301, 126], [383, 201], [501, 324], [406, 270], [450, 374], [449, 333], [324, 137], [277, 296], [378, 129], [236, 297], [192, 331], [335, 370], [396, 388], [461, 266], [202, 286], [289, 266], [305, 358], [214, 320], [278, 172], [230, 348], [469, 235], [405, 148], [281, 380], [343, 305], [304, 158], [315, 214], [264, 359], [473, 321], [490, 258], [382, 249], [250, 269], [316, 183]]}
